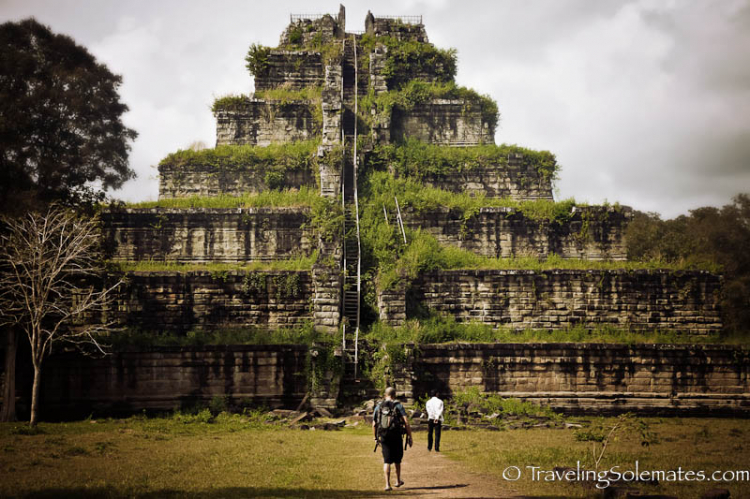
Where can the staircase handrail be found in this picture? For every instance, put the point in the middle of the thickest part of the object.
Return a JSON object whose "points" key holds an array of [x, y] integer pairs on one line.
{"points": [[343, 197], [356, 209]]}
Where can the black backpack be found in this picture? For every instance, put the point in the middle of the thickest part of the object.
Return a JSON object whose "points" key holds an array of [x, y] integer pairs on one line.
{"points": [[389, 420]]}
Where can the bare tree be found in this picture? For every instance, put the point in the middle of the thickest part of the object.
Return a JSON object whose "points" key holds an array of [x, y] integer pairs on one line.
{"points": [[51, 264]]}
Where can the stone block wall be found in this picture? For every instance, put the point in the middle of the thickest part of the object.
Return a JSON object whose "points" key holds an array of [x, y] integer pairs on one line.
{"points": [[384, 26], [205, 235], [594, 233], [261, 123], [516, 180], [392, 305], [174, 378], [333, 108], [327, 298], [593, 378], [181, 301], [575, 378], [377, 64], [206, 180], [558, 299], [291, 69], [325, 29], [378, 82], [447, 122]]}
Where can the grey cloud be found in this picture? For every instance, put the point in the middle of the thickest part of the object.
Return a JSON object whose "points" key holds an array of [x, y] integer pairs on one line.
{"points": [[708, 36]]}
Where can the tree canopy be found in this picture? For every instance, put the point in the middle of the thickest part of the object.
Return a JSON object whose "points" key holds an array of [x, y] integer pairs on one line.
{"points": [[720, 235], [62, 138]]}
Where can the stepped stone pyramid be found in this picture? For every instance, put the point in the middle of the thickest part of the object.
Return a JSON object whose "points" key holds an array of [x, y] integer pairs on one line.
{"points": [[336, 116]]}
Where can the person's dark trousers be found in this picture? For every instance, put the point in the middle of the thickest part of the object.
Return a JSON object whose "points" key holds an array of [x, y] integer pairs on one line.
{"points": [[432, 425]]}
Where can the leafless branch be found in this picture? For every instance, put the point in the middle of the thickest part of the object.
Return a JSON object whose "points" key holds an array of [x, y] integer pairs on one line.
{"points": [[49, 267]]}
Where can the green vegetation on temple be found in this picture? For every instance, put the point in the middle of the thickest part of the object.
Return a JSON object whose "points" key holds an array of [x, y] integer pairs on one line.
{"points": [[407, 58], [419, 92], [305, 196], [270, 162], [280, 95], [286, 95], [257, 59], [257, 55], [416, 159], [311, 96], [430, 330], [406, 63], [424, 253], [445, 329], [292, 155], [303, 262], [381, 187], [301, 335], [326, 216], [389, 261]]}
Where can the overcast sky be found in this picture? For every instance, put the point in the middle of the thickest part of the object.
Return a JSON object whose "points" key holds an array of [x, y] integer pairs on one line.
{"points": [[644, 102]]}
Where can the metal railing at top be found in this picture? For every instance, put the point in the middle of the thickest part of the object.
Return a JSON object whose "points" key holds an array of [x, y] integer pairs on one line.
{"points": [[403, 19], [293, 18]]}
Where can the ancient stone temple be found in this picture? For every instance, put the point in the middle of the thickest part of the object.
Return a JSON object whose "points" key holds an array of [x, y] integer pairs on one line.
{"points": [[358, 155]]}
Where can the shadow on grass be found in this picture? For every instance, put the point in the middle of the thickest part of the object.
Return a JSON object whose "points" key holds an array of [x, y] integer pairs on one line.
{"points": [[223, 492], [438, 487], [226, 492]]}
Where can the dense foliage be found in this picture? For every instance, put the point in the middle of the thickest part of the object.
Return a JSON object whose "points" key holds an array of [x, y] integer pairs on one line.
{"points": [[257, 59], [258, 56], [409, 59], [61, 132], [707, 234], [388, 260], [381, 187]]}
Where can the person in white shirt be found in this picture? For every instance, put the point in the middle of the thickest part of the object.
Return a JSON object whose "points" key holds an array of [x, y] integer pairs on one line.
{"points": [[434, 408]]}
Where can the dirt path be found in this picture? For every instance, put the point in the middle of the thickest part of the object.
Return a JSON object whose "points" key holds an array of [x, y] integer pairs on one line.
{"points": [[433, 475]]}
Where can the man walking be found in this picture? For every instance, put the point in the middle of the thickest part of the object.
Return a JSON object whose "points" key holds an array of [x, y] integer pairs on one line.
{"points": [[434, 408], [389, 422]]}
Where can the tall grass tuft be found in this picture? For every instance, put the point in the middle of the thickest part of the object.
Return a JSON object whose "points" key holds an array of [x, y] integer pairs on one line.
{"points": [[305, 196], [304, 262], [445, 329]]}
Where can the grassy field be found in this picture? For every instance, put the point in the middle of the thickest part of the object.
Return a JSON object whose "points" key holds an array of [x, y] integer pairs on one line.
{"points": [[236, 456], [232, 457], [690, 443]]}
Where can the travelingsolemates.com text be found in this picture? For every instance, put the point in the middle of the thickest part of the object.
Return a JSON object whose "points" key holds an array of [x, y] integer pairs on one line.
{"points": [[616, 474]]}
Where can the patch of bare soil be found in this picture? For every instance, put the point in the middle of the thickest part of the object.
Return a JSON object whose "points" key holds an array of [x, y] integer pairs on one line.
{"points": [[433, 475]]}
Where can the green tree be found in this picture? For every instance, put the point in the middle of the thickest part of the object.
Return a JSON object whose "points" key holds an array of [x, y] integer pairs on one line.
{"points": [[708, 234], [61, 133]]}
